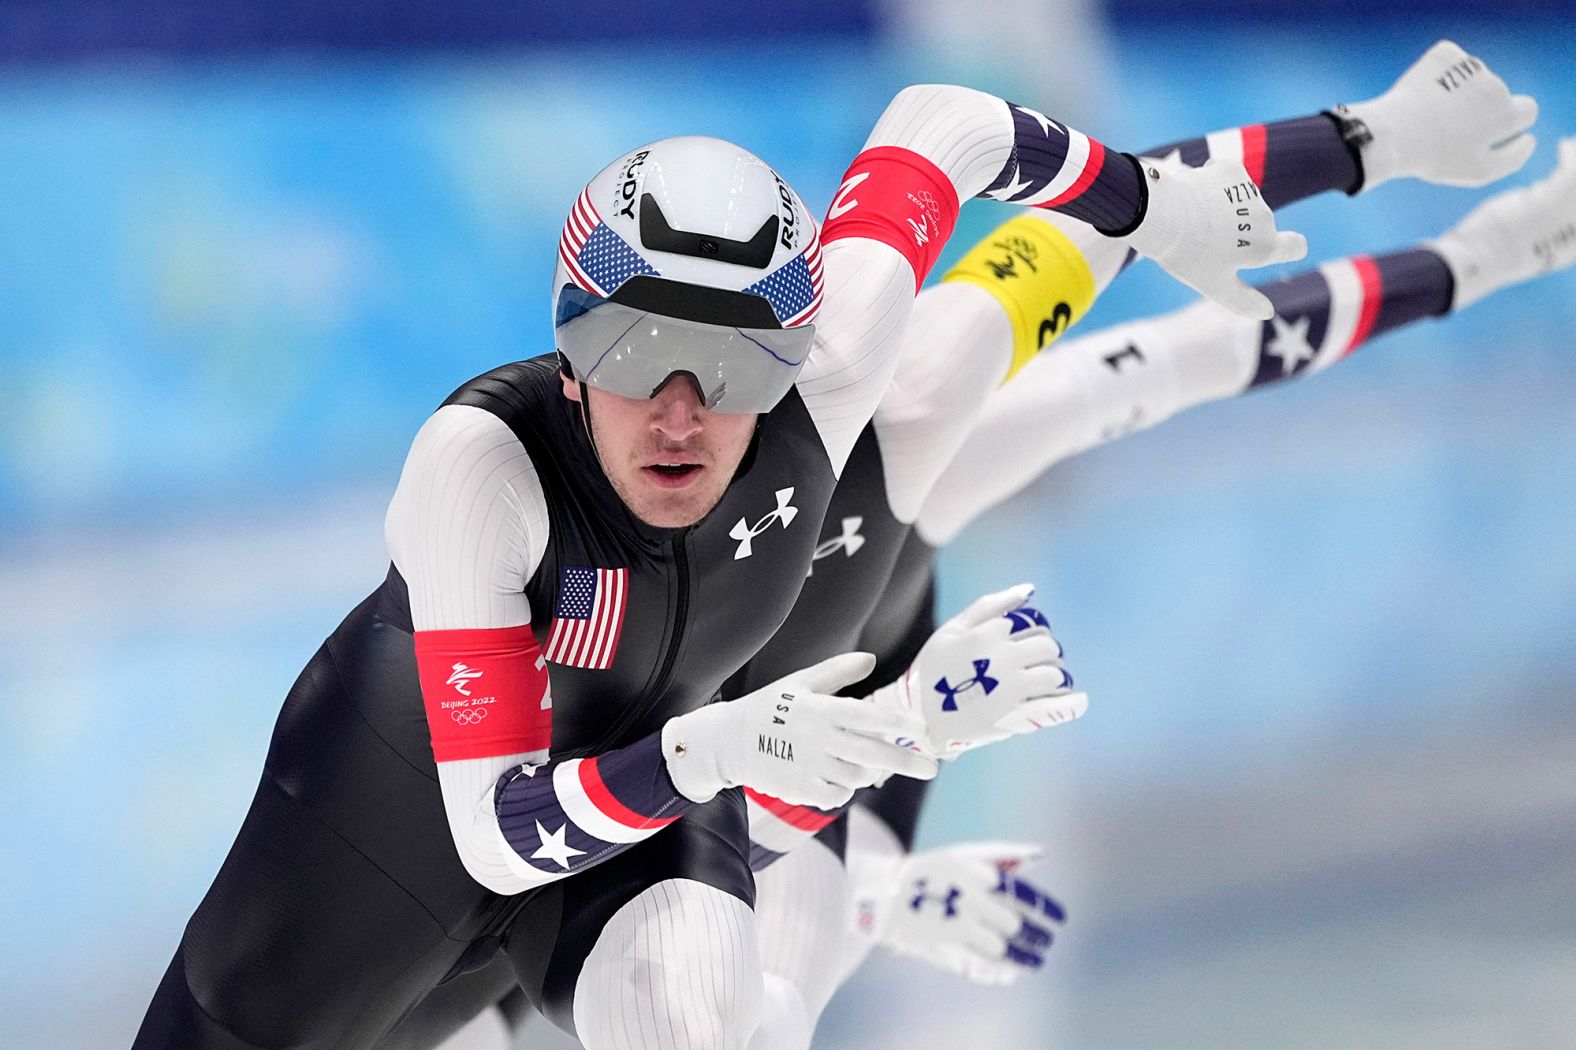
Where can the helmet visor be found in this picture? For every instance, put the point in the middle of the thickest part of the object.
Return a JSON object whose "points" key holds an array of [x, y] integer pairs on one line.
{"points": [[633, 352]]}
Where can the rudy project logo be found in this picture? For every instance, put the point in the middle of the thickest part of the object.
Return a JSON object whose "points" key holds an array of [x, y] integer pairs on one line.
{"points": [[462, 677], [744, 532], [949, 693], [849, 542]]}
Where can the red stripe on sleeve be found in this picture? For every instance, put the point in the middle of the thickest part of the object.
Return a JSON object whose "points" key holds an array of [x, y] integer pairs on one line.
{"points": [[1373, 295], [898, 197], [610, 806], [485, 691], [1092, 165], [1253, 137], [801, 817]]}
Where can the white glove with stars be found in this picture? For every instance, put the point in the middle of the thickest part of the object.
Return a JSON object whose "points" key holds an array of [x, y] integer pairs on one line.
{"points": [[1448, 119], [793, 740], [989, 672], [965, 910], [1204, 224], [1516, 235]]}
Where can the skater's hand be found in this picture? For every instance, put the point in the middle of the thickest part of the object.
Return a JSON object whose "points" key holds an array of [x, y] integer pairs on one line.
{"points": [[989, 672], [1204, 224], [966, 910], [795, 741], [1448, 119]]}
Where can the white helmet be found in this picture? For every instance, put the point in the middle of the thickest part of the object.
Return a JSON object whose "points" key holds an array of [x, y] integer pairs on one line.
{"points": [[688, 256]]}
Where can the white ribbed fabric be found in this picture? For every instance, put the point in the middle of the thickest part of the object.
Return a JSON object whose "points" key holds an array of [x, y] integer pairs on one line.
{"points": [[802, 906], [468, 523], [1084, 393], [467, 786], [869, 290], [466, 528], [677, 968], [958, 350], [966, 133], [869, 285]]}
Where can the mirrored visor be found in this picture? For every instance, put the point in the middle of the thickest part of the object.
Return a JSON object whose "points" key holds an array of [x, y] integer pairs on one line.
{"points": [[633, 352]]}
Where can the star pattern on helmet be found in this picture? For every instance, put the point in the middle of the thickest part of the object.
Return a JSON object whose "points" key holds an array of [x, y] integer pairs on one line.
{"points": [[788, 288], [609, 260]]}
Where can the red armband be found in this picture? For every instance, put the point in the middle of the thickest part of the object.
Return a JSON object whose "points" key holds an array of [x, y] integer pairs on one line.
{"points": [[895, 196], [486, 692]]}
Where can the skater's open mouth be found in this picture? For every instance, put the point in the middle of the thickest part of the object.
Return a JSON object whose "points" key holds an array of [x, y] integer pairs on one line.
{"points": [[672, 475]]}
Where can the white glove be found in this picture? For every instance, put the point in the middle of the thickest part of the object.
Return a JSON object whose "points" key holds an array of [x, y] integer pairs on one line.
{"points": [[1515, 235], [989, 672], [1204, 224], [1448, 119], [964, 910], [793, 740]]}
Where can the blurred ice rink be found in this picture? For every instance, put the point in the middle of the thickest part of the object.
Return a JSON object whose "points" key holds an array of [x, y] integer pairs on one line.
{"points": [[1325, 794]]}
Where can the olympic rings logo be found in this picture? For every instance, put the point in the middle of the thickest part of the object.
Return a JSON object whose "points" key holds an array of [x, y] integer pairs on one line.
{"points": [[468, 716]]}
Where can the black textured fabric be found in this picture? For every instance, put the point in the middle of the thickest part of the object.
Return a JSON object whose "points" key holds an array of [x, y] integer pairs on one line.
{"points": [[343, 903]]}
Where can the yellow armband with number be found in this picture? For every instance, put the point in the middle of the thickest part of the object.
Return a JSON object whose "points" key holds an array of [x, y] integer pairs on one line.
{"points": [[1037, 274]]}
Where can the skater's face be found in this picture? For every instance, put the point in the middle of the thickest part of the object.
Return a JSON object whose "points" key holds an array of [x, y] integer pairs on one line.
{"points": [[668, 457]]}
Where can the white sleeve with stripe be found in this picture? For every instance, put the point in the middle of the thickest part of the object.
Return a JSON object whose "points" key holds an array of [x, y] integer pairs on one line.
{"points": [[870, 285], [958, 350], [1092, 390], [467, 528]]}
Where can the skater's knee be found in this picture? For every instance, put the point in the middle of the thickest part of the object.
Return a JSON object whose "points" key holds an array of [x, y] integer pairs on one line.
{"points": [[677, 968]]}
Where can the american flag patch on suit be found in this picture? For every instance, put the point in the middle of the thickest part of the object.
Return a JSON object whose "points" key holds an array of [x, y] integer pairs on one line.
{"points": [[588, 618]]}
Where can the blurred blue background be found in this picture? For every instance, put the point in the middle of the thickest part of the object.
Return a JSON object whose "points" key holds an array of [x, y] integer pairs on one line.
{"points": [[1326, 791]]}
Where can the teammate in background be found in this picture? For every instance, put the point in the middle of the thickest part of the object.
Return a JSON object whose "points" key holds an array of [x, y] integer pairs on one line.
{"points": [[436, 790], [1447, 119], [1096, 388]]}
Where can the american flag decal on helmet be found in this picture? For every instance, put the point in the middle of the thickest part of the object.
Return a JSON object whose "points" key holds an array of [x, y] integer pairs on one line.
{"points": [[589, 617], [598, 260], [794, 289]]}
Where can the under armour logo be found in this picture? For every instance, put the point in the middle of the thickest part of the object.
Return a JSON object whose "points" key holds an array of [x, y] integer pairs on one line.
{"points": [[1025, 618], [460, 677], [849, 542], [950, 692], [948, 900], [744, 532]]}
